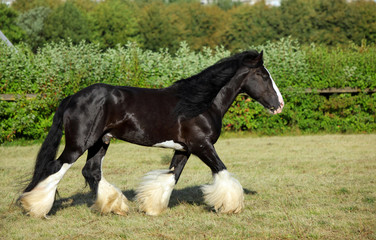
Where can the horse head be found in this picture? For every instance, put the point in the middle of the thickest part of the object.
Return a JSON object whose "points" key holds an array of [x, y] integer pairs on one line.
{"points": [[259, 84]]}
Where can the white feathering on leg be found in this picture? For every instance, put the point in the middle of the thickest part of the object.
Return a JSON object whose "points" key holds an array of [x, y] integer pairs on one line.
{"points": [[38, 202], [225, 194], [110, 199], [155, 190]]}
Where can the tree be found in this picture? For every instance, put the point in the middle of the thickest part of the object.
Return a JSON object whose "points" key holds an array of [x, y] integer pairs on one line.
{"points": [[114, 22], [319, 21], [67, 22], [297, 19], [199, 25], [253, 25], [32, 22], [8, 24], [362, 21], [27, 5], [331, 22], [85, 5], [156, 28]]}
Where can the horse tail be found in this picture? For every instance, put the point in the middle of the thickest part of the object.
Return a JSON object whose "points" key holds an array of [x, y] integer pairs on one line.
{"points": [[50, 146]]}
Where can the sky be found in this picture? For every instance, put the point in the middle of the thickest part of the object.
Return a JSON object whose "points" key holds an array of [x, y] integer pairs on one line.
{"points": [[278, 2], [275, 2]]}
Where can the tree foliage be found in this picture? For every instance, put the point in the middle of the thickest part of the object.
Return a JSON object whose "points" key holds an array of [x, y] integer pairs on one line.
{"points": [[156, 29], [27, 5], [8, 25], [156, 24], [114, 22], [32, 22], [67, 22], [204, 26], [253, 25]]}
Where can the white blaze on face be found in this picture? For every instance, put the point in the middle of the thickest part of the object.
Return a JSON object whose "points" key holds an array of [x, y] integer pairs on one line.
{"points": [[280, 98]]}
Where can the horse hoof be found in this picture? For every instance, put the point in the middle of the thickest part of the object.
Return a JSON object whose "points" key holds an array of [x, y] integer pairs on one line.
{"points": [[110, 199], [36, 203], [225, 195], [154, 192]]}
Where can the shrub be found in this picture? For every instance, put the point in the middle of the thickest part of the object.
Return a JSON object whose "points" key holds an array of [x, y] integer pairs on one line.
{"points": [[61, 69]]}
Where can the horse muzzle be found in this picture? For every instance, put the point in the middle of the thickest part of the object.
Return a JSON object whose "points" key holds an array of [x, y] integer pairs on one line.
{"points": [[274, 110]]}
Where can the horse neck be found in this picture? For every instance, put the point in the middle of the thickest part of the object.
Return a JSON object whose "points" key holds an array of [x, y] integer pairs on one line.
{"points": [[226, 96]]}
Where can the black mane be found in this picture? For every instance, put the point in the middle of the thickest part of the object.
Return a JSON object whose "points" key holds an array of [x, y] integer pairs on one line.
{"points": [[196, 93]]}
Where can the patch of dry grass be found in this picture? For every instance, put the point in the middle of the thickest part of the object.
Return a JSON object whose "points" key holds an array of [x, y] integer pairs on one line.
{"points": [[315, 187]]}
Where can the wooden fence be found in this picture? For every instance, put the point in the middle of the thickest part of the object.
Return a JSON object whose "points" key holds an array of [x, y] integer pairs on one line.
{"points": [[14, 97], [327, 91], [339, 90]]}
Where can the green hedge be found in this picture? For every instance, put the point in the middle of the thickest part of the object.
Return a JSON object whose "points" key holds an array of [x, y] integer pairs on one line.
{"points": [[61, 69]]}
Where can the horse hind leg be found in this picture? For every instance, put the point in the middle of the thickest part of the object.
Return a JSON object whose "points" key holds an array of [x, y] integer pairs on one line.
{"points": [[39, 200], [108, 197]]}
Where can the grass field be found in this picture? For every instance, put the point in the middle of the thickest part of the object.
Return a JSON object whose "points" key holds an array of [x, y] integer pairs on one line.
{"points": [[300, 187]]}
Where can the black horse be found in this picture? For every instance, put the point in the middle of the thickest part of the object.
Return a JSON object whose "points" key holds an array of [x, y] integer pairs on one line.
{"points": [[187, 117]]}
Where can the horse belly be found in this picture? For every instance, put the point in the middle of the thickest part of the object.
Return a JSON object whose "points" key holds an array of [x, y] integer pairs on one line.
{"points": [[146, 133], [145, 118], [170, 144]]}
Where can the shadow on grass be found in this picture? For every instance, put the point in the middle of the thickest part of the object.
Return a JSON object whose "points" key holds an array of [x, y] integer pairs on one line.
{"points": [[74, 200], [189, 195], [193, 196]]}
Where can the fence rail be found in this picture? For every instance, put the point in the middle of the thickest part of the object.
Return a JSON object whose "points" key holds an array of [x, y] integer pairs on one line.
{"points": [[14, 97], [326, 91], [340, 90]]}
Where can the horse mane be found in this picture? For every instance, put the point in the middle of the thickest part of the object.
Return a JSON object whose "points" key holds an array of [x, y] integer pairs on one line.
{"points": [[196, 93]]}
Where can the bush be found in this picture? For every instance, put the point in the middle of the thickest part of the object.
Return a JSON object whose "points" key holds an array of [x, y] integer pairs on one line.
{"points": [[352, 66], [61, 69], [296, 69]]}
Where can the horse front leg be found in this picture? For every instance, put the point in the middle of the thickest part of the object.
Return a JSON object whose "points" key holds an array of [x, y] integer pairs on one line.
{"points": [[225, 194], [154, 192]]}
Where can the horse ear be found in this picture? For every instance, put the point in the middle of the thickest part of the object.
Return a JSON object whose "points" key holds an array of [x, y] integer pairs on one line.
{"points": [[251, 61], [261, 55]]}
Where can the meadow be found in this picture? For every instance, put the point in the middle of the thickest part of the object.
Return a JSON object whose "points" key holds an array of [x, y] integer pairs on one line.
{"points": [[296, 187]]}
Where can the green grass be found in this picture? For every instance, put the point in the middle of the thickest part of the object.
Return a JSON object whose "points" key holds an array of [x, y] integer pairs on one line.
{"points": [[297, 187]]}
